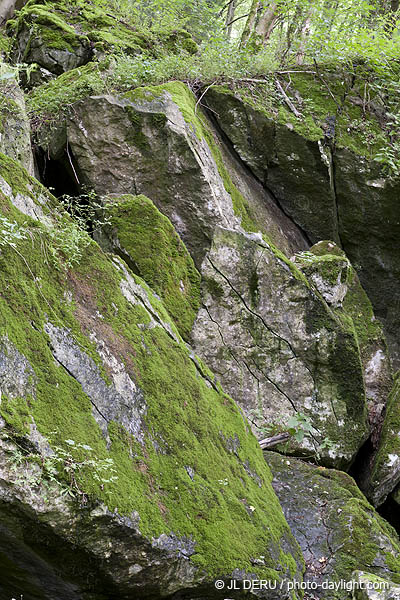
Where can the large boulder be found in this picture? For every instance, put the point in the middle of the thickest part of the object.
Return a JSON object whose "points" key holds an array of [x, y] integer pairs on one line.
{"points": [[279, 349], [125, 471], [337, 529], [318, 166], [168, 151]]}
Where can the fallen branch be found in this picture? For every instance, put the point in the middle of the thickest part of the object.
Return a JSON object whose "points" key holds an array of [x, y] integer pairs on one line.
{"points": [[288, 101], [274, 440]]}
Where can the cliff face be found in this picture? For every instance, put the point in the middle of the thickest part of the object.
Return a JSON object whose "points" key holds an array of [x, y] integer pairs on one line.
{"points": [[208, 276]]}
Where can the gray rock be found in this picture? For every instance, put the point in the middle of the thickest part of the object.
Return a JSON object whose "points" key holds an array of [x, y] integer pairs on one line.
{"points": [[369, 587], [168, 151], [279, 349], [15, 139], [337, 529]]}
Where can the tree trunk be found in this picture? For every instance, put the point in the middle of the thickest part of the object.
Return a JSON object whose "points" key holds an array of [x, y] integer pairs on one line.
{"points": [[230, 15], [260, 24], [305, 32]]}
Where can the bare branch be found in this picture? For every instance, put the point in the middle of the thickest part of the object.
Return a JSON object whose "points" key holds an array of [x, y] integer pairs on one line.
{"points": [[270, 442]]}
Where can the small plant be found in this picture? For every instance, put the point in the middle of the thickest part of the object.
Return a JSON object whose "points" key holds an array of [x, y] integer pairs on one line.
{"points": [[64, 467], [299, 426], [11, 233]]}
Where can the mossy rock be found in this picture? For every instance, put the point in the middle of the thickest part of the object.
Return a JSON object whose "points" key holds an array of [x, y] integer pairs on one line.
{"points": [[321, 168], [338, 530], [279, 349], [329, 270], [146, 239], [101, 365], [15, 139], [42, 36]]}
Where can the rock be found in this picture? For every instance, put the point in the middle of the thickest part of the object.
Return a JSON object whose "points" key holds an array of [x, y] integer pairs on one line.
{"points": [[328, 269], [370, 587], [279, 349], [168, 151], [148, 243], [369, 216], [104, 402], [294, 169], [43, 37], [384, 471], [323, 179], [337, 529], [15, 140]]}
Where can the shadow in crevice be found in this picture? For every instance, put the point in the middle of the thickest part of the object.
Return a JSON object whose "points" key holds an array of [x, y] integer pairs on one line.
{"points": [[60, 175]]}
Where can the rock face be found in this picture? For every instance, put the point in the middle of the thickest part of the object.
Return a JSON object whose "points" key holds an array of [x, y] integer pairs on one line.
{"points": [[232, 237], [167, 152], [305, 359], [159, 130], [15, 139], [42, 37], [147, 241], [384, 473], [332, 521], [95, 376], [327, 189], [369, 587]]}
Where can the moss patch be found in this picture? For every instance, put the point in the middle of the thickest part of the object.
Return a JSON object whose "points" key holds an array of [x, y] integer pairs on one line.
{"points": [[188, 422], [158, 255]]}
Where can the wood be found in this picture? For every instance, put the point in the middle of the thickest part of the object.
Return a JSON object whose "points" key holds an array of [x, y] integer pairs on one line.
{"points": [[270, 442]]}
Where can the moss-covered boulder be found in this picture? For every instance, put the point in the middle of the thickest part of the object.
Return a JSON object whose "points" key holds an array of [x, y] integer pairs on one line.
{"points": [[338, 530], [330, 272], [15, 139], [59, 37], [318, 163], [147, 241], [155, 141], [44, 37], [384, 473], [125, 471], [367, 586], [279, 349]]}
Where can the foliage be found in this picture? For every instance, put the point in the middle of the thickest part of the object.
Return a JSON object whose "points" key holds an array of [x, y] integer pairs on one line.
{"points": [[64, 467]]}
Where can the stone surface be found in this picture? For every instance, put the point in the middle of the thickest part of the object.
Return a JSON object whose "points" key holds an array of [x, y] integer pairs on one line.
{"points": [[15, 139], [279, 349], [92, 370], [168, 152], [337, 529], [149, 244], [41, 36], [384, 472], [326, 188], [330, 272], [370, 587]]}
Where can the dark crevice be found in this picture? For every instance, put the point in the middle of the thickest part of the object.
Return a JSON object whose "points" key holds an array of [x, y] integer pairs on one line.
{"points": [[58, 175], [389, 510], [234, 153], [361, 465]]}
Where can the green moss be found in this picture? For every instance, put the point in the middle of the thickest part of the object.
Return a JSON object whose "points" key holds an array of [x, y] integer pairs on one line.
{"points": [[49, 102], [158, 255], [17, 413], [333, 92], [187, 420]]}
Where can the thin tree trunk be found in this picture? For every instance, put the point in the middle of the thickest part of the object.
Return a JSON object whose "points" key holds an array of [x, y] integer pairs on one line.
{"points": [[230, 15], [260, 24], [305, 32]]}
